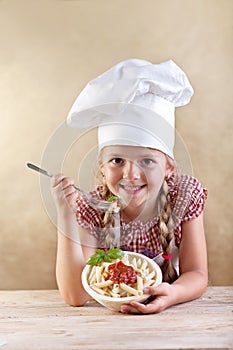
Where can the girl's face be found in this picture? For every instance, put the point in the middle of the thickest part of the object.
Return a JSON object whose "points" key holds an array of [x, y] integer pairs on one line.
{"points": [[135, 174]]}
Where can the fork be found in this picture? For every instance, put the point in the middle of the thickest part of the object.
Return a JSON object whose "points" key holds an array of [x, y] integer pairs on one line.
{"points": [[95, 203]]}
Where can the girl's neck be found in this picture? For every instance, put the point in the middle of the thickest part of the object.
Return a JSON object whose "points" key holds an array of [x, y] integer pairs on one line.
{"points": [[142, 214]]}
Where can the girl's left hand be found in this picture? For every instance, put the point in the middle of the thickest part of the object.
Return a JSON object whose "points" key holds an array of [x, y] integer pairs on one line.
{"points": [[163, 299]]}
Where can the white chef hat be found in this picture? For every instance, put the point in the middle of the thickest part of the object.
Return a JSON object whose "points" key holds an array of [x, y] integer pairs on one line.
{"points": [[133, 103]]}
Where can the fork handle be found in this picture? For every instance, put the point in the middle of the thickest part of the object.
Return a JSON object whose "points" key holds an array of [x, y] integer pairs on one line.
{"points": [[45, 172], [36, 168], [79, 189]]}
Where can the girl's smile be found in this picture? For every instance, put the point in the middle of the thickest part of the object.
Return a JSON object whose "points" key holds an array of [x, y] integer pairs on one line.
{"points": [[130, 189]]}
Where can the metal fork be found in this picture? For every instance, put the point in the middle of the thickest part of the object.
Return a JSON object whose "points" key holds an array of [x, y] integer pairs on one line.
{"points": [[95, 203]]}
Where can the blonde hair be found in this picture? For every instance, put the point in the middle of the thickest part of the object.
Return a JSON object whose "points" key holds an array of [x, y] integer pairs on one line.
{"points": [[166, 232], [108, 219]]}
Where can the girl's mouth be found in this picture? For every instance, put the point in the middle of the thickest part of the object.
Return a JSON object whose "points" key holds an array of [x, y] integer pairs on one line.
{"points": [[132, 189]]}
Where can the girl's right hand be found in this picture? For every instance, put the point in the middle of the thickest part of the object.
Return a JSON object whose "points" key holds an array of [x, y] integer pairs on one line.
{"points": [[63, 192]]}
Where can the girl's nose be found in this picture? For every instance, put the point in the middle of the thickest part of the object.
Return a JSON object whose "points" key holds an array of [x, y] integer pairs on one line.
{"points": [[131, 171]]}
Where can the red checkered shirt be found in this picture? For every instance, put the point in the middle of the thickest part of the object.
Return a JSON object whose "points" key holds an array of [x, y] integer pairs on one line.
{"points": [[187, 197]]}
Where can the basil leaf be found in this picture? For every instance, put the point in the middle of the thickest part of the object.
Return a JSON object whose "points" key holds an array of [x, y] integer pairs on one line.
{"points": [[107, 258], [100, 256], [112, 199], [100, 252], [95, 259], [115, 253]]}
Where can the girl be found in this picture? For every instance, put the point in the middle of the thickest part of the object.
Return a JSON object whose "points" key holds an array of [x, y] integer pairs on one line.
{"points": [[133, 106]]}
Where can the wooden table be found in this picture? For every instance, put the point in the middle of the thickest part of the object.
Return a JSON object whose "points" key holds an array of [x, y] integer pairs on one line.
{"points": [[41, 320]]}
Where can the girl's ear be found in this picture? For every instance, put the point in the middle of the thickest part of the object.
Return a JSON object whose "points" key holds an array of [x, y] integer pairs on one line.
{"points": [[100, 164], [170, 168], [101, 168]]}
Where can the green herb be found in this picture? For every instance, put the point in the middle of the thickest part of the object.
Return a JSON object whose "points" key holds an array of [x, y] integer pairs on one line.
{"points": [[108, 256], [114, 198]]}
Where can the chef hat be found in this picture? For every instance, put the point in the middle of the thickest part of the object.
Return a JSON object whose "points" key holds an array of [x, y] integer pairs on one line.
{"points": [[133, 103]]}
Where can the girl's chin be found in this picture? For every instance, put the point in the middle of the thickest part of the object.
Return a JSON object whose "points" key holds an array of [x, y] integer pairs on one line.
{"points": [[133, 202]]}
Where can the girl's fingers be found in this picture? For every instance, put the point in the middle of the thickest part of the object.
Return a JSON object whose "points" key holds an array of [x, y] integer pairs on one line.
{"points": [[56, 179], [69, 190], [63, 190], [155, 306], [138, 308], [160, 302], [162, 289], [72, 199], [62, 181]]}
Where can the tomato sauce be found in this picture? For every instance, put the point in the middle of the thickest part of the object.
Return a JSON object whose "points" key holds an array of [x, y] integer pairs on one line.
{"points": [[121, 273]]}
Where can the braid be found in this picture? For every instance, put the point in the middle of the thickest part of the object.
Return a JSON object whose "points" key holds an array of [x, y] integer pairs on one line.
{"points": [[109, 223], [166, 233], [108, 220]]}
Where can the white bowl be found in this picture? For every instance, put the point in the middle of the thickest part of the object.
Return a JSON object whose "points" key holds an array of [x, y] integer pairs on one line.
{"points": [[114, 303]]}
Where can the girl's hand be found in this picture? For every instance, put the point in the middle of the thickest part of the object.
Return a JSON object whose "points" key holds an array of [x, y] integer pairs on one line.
{"points": [[163, 293], [63, 192]]}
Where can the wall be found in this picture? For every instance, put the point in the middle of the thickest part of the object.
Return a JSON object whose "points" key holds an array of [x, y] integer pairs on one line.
{"points": [[49, 50]]}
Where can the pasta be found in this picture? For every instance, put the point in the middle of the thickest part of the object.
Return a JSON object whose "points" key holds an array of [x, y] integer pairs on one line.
{"points": [[123, 277]]}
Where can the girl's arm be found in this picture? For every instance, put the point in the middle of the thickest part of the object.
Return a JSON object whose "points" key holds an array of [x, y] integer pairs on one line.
{"points": [[74, 245], [193, 278]]}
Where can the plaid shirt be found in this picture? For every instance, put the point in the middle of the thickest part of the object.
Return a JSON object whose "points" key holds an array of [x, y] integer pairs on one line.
{"points": [[188, 199]]}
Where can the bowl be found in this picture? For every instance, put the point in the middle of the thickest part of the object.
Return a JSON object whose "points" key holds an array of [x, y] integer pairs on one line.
{"points": [[114, 303]]}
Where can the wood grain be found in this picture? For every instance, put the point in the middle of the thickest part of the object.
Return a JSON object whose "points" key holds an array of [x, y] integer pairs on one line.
{"points": [[41, 320]]}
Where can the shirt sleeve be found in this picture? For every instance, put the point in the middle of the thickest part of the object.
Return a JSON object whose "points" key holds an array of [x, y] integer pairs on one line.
{"points": [[197, 197], [87, 217]]}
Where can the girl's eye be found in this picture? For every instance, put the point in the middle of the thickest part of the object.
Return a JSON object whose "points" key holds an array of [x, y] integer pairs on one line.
{"points": [[147, 161], [116, 161]]}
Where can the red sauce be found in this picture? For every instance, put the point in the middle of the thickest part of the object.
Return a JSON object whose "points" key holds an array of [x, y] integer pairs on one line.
{"points": [[121, 273]]}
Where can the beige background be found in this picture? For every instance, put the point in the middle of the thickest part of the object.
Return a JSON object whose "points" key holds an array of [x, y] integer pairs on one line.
{"points": [[49, 50]]}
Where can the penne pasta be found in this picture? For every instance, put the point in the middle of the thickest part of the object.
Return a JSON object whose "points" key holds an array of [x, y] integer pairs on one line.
{"points": [[92, 276], [123, 293], [114, 295], [150, 276], [104, 284], [144, 265], [99, 290], [116, 288], [98, 274], [134, 263], [129, 289], [148, 283], [140, 285], [103, 279]]}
